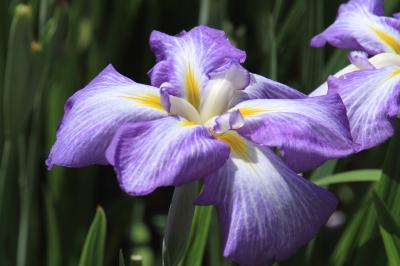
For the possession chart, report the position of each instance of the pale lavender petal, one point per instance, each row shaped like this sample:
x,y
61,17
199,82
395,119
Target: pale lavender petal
x,y
264,88
316,126
360,26
266,211
164,152
377,61
396,15
93,114
372,99
228,121
186,60
360,59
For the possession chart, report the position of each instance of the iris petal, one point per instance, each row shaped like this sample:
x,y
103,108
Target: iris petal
x,y
264,88
186,60
164,152
372,100
316,126
266,211
377,61
93,114
360,26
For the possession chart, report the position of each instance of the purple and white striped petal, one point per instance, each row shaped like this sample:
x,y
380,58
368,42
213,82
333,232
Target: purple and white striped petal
x,y
93,114
164,152
377,61
266,211
228,121
372,100
361,26
184,61
317,126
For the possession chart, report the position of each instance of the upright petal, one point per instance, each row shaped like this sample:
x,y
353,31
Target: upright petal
x,y
185,60
163,152
372,100
316,126
360,26
93,114
264,88
266,211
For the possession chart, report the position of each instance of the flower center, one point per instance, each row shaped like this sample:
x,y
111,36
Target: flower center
x,y
215,97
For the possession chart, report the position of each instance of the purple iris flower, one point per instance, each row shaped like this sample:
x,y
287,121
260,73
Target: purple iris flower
x,y
205,117
360,25
369,87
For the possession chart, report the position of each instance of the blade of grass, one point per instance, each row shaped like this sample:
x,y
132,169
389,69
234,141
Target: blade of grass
x,y
365,175
390,231
93,249
198,236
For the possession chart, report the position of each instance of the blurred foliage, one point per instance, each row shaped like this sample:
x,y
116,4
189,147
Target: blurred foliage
x,y
49,49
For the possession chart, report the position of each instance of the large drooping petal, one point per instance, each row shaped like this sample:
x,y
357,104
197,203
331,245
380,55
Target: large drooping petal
x,y
184,61
372,100
266,211
93,114
316,126
163,152
361,26
377,61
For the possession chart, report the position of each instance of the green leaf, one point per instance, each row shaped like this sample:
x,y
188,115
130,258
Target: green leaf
x,y
179,220
18,93
198,236
390,231
93,249
324,170
52,232
121,259
365,175
348,239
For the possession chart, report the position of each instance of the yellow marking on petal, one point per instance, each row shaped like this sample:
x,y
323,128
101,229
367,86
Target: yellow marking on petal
x,y
192,88
235,142
187,123
388,39
148,100
395,73
250,111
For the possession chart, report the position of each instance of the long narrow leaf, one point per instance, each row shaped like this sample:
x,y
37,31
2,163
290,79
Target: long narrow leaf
x,y
198,236
365,175
179,220
390,231
93,249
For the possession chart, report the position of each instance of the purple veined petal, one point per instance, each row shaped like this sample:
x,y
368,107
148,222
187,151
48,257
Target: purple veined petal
x,y
94,113
186,60
359,26
377,61
316,126
396,15
265,210
264,88
164,152
372,100
228,121
374,6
